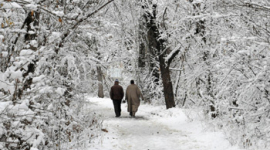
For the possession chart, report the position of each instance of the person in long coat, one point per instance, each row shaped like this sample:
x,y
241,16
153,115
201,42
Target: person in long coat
x,y
133,95
117,94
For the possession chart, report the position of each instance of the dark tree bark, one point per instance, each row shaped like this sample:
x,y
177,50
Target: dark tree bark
x,y
143,44
167,83
154,46
33,17
157,46
100,82
147,48
142,51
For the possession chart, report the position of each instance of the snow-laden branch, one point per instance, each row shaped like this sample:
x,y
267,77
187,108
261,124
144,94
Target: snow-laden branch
x,y
256,5
91,14
176,69
15,31
74,27
57,14
5,83
174,52
234,38
204,16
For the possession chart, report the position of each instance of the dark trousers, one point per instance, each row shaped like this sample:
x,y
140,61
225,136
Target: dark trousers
x,y
117,107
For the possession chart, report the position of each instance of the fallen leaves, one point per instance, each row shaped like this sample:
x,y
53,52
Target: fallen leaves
x,y
104,130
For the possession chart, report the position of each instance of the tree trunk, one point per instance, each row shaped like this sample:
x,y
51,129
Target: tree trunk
x,y
100,82
156,46
33,17
142,44
142,51
149,43
167,83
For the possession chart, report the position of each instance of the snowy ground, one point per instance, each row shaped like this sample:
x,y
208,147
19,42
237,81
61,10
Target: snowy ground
x,y
155,128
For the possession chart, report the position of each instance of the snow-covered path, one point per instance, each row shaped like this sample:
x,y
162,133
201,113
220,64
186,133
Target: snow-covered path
x,y
155,128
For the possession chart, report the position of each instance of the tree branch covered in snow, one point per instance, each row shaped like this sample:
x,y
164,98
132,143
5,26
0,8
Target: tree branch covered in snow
x,y
43,90
211,55
169,58
257,5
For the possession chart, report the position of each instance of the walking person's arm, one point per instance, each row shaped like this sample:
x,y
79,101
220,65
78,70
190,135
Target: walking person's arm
x,y
111,93
139,93
122,93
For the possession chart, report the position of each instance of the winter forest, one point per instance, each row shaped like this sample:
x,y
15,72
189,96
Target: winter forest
x,y
208,58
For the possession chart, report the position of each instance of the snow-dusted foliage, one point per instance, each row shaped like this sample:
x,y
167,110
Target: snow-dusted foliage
x,y
46,62
51,52
223,63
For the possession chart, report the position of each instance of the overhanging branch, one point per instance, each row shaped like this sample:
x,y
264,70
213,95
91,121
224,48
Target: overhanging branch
x,y
257,6
173,54
68,32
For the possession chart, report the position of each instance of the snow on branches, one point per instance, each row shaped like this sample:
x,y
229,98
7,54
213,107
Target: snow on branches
x,y
41,74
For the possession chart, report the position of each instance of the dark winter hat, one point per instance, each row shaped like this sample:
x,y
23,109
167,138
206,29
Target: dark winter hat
x,y
116,80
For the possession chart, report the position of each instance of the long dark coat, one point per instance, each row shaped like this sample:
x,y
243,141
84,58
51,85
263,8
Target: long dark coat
x,y
133,95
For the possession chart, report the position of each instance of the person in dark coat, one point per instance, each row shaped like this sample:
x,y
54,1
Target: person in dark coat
x,y
133,95
117,94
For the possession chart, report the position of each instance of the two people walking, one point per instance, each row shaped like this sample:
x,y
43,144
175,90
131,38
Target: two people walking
x,y
133,95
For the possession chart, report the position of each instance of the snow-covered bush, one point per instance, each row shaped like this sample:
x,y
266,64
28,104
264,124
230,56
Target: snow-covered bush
x,y
43,68
223,64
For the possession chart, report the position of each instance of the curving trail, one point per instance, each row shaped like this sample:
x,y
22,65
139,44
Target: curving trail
x,y
154,128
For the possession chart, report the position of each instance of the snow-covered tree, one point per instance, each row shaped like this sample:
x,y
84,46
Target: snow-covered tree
x,y
42,71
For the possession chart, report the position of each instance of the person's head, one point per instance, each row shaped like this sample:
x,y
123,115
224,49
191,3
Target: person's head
x,y
131,81
116,81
